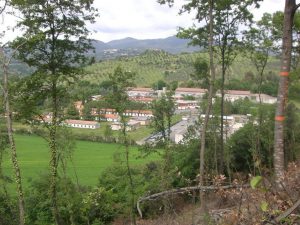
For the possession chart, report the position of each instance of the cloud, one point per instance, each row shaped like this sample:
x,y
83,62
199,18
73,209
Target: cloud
x,y
143,19
136,18
269,6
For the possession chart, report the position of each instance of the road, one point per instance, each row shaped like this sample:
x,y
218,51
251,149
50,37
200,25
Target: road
x,y
180,127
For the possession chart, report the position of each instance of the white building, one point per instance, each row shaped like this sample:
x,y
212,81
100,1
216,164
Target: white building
x,y
140,92
187,104
233,95
82,124
267,99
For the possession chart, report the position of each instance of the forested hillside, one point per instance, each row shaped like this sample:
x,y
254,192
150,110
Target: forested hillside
x,y
154,65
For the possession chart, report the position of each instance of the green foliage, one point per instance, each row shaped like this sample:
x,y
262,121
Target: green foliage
x,y
201,72
82,90
76,205
8,210
255,181
159,85
163,109
154,66
55,46
98,206
72,112
146,179
292,133
185,158
120,81
264,206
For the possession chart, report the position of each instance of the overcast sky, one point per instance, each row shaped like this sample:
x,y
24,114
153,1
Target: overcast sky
x,y
145,19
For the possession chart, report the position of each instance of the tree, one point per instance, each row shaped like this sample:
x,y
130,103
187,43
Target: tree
x,y
55,42
163,109
72,112
159,85
201,67
228,16
260,43
9,118
108,133
118,98
207,6
289,12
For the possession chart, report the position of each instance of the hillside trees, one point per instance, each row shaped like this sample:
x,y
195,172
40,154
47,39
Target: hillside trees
x,y
55,42
228,15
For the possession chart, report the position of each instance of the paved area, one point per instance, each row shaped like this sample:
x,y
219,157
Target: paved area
x,y
180,127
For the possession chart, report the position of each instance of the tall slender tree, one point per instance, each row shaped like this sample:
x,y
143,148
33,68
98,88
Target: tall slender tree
x,y
14,158
55,42
118,98
260,43
289,12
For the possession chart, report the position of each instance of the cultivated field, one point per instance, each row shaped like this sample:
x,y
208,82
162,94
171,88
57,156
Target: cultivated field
x,y
89,159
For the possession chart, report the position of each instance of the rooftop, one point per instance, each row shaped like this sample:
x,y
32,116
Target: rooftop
x,y
197,90
82,122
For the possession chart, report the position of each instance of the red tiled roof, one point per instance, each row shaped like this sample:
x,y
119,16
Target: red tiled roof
x,y
110,116
237,92
141,89
199,90
138,111
141,99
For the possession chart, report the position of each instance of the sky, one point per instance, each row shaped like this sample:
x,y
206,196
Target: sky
x,y
141,19
146,19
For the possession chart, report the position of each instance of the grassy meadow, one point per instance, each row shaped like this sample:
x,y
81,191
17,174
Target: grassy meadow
x,y
89,159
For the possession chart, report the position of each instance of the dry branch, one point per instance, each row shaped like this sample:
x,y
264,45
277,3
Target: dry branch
x,y
181,191
285,214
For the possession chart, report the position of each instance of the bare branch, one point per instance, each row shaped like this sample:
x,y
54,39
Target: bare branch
x,y
184,190
285,214
5,4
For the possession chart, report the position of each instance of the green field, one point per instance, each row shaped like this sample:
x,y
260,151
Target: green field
x,y
90,159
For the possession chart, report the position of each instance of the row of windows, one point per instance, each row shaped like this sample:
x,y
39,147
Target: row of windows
x,y
83,126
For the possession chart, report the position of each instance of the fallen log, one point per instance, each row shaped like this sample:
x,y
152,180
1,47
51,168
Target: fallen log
x,y
181,191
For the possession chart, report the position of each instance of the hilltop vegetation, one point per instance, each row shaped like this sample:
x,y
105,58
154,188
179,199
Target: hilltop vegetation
x,y
154,65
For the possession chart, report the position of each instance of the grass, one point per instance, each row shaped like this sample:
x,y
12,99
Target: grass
x,y
135,135
90,159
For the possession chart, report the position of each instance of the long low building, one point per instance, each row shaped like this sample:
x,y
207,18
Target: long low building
x,y
82,124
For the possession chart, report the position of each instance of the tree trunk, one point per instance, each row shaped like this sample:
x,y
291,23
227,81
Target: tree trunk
x,y
14,157
209,105
131,185
53,156
221,155
289,11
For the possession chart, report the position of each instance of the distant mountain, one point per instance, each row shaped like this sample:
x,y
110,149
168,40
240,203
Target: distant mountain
x,y
100,45
131,46
171,44
125,47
